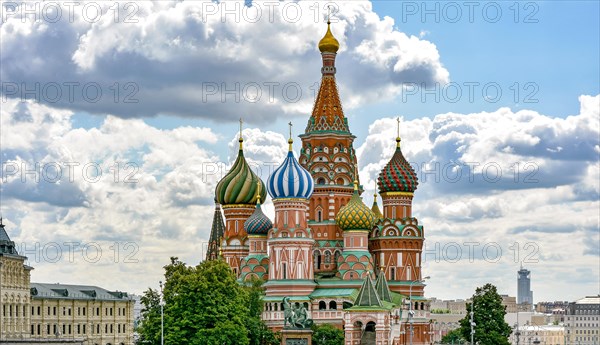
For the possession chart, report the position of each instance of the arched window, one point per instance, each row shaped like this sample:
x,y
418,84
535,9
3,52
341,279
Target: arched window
x,y
317,259
333,305
322,305
305,304
392,273
321,180
275,306
422,306
340,181
337,255
319,216
416,306
327,257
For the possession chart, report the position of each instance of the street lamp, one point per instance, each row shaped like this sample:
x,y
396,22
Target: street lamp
x,y
162,315
410,311
517,332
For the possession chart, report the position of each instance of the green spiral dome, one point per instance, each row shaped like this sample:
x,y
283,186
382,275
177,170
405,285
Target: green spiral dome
x,y
240,184
355,215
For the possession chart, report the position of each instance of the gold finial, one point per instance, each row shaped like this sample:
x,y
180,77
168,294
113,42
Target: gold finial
x,y
290,140
258,192
355,178
375,191
398,137
241,139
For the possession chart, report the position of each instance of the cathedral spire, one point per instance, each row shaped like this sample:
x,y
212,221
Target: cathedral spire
x,y
216,234
375,207
327,115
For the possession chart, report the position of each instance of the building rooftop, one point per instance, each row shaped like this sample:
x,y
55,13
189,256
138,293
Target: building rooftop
x,y
76,292
589,300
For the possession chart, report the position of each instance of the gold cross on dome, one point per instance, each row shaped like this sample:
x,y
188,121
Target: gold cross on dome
x,y
290,124
241,122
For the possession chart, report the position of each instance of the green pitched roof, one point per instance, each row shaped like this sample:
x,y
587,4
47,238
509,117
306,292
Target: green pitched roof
x,y
383,290
367,296
338,292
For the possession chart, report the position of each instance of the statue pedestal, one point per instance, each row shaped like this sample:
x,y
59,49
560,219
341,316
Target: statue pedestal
x,y
296,337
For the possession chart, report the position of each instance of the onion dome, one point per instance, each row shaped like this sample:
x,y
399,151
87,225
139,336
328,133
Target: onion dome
x,y
240,184
397,175
375,208
258,223
355,215
328,44
290,179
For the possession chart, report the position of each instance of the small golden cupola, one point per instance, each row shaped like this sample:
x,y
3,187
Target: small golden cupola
x,y
329,44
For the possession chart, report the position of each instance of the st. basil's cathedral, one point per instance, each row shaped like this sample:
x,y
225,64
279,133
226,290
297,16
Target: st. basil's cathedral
x,y
355,267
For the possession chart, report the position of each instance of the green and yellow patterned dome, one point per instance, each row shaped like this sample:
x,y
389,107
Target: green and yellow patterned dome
x,y
355,215
240,184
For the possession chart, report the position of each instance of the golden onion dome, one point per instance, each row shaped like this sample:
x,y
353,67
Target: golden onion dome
x,y
328,43
355,215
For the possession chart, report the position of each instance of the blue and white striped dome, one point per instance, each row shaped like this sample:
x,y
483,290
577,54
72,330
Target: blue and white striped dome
x,y
290,180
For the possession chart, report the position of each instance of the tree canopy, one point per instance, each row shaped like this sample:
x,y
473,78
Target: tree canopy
x,y
490,327
204,305
453,337
327,335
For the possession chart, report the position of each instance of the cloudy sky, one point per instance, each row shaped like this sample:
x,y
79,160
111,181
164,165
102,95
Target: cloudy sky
x,y
118,119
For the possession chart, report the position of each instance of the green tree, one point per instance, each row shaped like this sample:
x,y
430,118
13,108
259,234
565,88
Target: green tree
x,y
490,327
204,305
327,335
258,332
453,337
149,326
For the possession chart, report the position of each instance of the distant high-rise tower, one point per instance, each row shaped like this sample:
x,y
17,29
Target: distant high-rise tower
x,y
524,293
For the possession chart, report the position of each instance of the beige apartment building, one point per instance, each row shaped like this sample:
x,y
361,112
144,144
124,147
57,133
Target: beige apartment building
x,y
543,335
510,302
96,315
34,313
